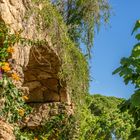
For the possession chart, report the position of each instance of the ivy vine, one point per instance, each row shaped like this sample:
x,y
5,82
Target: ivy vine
x,y
13,107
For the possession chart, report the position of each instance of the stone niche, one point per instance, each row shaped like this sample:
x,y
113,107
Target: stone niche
x,y
41,77
48,95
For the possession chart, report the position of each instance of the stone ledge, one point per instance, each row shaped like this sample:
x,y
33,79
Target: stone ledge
x,y
44,111
6,131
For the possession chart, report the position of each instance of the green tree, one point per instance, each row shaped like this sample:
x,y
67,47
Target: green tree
x,y
130,71
81,16
109,120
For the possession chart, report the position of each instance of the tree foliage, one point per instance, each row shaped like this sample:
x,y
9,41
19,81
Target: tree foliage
x,y
81,16
130,71
110,122
99,119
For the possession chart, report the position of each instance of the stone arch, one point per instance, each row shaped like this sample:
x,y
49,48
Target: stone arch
x,y
48,96
41,77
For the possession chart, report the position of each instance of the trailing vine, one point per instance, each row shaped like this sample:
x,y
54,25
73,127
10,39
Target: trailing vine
x,y
13,107
82,18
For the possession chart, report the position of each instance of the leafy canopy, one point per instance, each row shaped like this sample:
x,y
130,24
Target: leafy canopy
x,y
109,120
81,16
130,71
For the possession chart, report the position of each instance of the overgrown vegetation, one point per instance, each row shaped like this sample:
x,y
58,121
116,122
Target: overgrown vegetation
x,y
66,27
81,18
110,122
74,68
100,120
60,127
13,107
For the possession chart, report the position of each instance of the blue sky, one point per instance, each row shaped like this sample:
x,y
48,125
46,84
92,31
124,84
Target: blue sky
x,y
113,42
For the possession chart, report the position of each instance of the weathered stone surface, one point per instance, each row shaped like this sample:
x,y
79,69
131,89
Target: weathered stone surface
x,y
51,84
43,75
51,96
37,66
63,95
29,76
36,96
43,111
32,85
44,67
6,131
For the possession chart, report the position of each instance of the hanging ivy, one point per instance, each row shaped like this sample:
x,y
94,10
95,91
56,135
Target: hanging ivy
x,y
13,107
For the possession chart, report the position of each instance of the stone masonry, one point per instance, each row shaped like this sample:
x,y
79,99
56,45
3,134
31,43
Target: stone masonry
x,y
6,131
38,66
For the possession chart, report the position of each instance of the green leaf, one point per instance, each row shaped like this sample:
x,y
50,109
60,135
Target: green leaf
x,y
125,61
135,133
117,70
137,26
135,99
137,37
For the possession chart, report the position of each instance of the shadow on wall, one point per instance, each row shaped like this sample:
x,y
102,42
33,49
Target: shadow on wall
x,y
41,77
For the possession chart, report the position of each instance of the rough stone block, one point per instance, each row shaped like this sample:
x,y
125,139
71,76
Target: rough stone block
x,y
51,84
50,96
36,96
64,96
29,76
6,131
32,85
43,75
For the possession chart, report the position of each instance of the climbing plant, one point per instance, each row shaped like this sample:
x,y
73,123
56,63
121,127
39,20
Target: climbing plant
x,y
95,122
74,66
130,71
59,127
12,101
81,18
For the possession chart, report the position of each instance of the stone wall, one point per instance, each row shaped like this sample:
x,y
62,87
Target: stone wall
x,y
6,131
37,66
44,111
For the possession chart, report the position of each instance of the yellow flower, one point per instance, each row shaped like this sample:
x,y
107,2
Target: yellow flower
x,y
15,77
25,97
17,33
6,67
6,64
35,138
21,112
10,50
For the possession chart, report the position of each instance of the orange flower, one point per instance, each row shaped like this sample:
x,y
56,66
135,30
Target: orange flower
x,y
6,64
17,33
25,97
15,77
21,112
10,50
6,67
